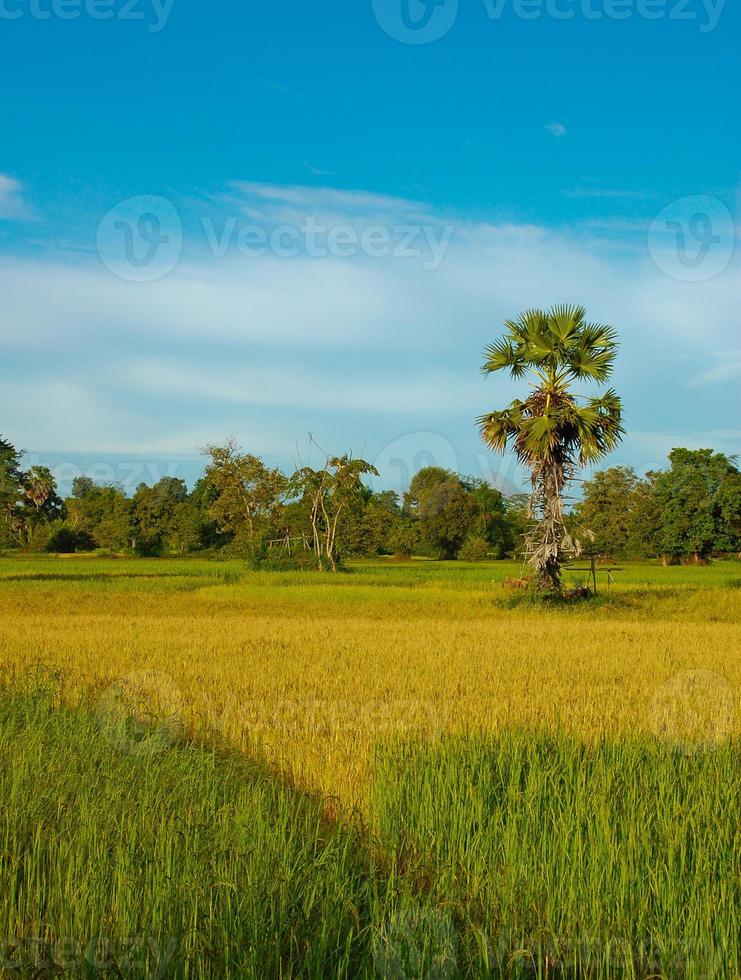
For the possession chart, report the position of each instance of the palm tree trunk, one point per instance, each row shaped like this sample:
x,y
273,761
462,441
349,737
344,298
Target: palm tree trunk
x,y
545,542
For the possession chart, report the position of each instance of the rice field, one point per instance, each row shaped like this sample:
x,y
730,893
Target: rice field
x,y
402,771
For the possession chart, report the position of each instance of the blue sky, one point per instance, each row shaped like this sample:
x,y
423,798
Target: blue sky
x,y
269,219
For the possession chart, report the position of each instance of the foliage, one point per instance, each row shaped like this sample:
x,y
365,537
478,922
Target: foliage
x,y
611,503
102,513
404,540
493,522
475,549
446,511
699,502
243,508
689,512
550,432
66,540
328,496
247,495
164,519
11,493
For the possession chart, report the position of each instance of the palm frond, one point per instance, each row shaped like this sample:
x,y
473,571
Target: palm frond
x,y
566,321
587,362
504,355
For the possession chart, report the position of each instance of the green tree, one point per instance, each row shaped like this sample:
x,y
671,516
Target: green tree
x,y
492,524
11,493
698,501
552,434
611,509
83,486
445,510
41,506
329,498
203,495
156,513
247,495
102,514
404,538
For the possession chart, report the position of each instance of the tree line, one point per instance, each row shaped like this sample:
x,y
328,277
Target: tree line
x,y
316,518
242,507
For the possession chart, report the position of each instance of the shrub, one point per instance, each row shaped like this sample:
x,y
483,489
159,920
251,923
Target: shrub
x,y
475,549
65,540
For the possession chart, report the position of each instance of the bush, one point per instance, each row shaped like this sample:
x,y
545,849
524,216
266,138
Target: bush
x,y
65,540
404,541
475,549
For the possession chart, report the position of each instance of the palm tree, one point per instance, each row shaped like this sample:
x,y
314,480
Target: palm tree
x,y
554,431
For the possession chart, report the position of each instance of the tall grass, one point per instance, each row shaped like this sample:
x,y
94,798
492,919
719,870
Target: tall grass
x,y
310,670
525,855
546,792
621,858
174,863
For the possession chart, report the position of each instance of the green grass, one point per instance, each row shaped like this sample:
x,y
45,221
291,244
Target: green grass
x,y
178,862
641,590
500,847
525,855
620,859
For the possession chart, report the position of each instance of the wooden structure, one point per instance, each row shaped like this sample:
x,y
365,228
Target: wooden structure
x,y
593,569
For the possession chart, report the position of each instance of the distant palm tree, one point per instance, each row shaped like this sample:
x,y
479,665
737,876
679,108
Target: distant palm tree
x,y
551,432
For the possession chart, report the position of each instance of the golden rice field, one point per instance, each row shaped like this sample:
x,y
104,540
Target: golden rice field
x,y
313,669
403,771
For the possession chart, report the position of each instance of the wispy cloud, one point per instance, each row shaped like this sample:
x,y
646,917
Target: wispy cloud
x,y
317,171
267,348
284,201
12,204
556,129
607,193
279,87
726,368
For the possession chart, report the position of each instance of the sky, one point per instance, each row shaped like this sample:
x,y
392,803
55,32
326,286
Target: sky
x,y
299,224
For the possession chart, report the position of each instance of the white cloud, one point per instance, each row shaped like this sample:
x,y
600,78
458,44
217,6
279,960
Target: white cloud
x,y
260,383
604,193
726,368
317,171
556,129
294,202
265,347
12,204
